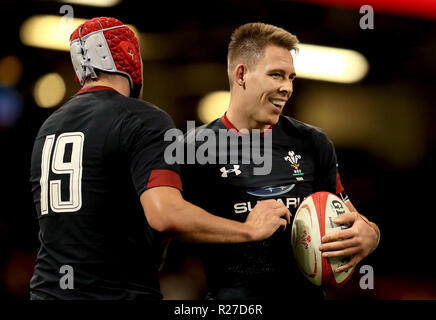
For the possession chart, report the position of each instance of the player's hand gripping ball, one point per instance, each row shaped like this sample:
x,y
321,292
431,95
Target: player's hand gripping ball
x,y
313,220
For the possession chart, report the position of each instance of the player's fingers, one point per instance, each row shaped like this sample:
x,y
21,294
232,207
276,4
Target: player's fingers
x,y
338,245
272,203
353,262
264,204
284,213
346,218
341,253
283,224
275,204
338,235
288,216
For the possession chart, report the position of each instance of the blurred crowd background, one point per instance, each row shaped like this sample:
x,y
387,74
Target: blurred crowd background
x,y
380,119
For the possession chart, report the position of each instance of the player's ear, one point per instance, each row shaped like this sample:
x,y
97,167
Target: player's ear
x,y
239,74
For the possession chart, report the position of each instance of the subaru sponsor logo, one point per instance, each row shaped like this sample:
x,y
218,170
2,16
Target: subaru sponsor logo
x,y
271,191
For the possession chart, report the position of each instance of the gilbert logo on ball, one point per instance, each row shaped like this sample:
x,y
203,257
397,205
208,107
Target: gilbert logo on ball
x,y
313,220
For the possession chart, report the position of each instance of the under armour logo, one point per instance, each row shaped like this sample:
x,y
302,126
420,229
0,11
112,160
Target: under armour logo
x,y
235,170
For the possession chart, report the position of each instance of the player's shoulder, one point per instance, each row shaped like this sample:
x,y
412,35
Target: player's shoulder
x,y
304,130
143,111
109,103
213,126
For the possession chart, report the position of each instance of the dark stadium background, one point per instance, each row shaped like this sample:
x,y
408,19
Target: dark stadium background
x,y
382,126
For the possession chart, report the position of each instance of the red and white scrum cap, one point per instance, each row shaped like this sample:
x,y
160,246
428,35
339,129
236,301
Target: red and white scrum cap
x,y
108,45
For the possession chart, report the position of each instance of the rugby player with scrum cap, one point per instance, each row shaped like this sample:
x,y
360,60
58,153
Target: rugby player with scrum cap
x,y
102,189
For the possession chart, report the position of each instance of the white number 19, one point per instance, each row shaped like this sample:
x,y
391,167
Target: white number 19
x,y
73,168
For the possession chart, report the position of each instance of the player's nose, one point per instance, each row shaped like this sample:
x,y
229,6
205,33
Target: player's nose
x,y
286,89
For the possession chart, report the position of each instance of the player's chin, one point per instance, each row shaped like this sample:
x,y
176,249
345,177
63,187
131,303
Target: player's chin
x,y
272,119
268,117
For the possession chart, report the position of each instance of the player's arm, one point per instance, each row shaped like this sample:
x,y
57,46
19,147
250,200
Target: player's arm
x,y
167,211
359,240
158,184
362,236
351,207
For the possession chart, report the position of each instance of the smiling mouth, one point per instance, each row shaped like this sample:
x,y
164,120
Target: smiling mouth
x,y
279,104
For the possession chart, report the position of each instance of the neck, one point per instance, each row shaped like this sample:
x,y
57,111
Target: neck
x,y
238,116
117,82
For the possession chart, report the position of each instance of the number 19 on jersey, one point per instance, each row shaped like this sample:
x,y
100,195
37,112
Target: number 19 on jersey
x,y
66,142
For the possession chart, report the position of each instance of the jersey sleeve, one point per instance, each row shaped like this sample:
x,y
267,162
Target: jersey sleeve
x,y
189,187
142,137
192,191
328,178
196,191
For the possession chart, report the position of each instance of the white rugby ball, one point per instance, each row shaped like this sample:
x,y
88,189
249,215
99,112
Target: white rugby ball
x,y
314,219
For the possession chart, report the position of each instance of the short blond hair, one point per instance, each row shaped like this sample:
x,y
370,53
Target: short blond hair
x,y
248,42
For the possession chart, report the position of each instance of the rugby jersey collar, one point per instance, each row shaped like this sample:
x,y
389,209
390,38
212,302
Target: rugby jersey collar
x,y
95,88
230,125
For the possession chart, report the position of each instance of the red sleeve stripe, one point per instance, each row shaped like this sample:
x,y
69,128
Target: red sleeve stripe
x,y
164,178
339,187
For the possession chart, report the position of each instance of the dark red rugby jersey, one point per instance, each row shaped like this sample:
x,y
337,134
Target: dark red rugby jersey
x,y
91,161
303,162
